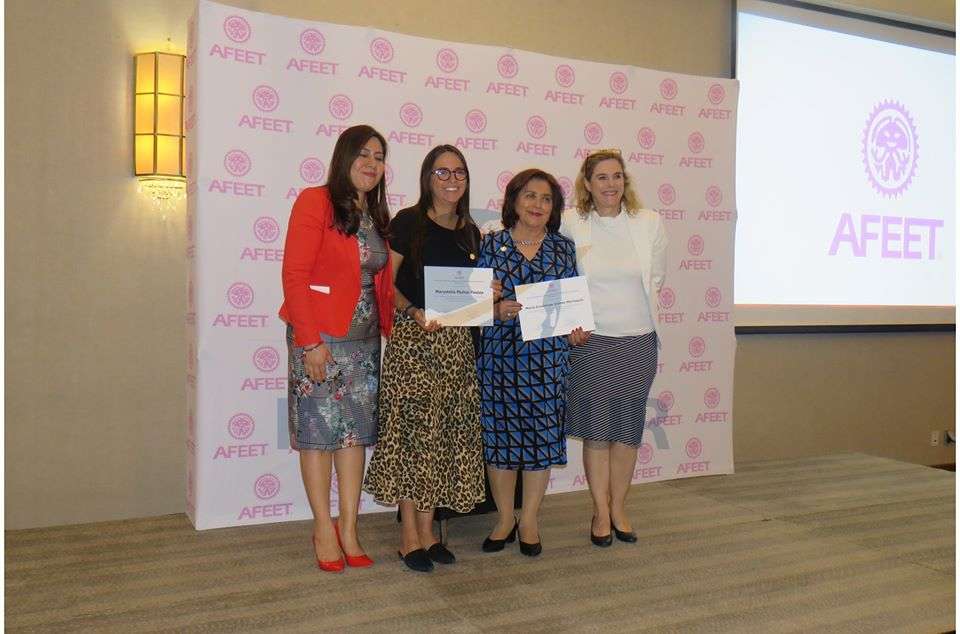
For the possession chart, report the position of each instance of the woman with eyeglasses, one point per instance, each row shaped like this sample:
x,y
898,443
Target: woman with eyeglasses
x,y
429,454
338,300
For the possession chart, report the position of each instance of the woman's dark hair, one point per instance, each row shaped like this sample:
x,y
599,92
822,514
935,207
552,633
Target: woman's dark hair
x,y
346,216
465,232
509,214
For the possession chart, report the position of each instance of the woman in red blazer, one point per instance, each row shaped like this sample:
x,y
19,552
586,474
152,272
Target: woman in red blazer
x,y
338,300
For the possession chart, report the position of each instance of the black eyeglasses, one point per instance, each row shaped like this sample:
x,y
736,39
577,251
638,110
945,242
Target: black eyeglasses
x,y
444,174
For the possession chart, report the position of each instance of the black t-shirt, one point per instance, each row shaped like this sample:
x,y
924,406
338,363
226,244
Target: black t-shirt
x,y
439,248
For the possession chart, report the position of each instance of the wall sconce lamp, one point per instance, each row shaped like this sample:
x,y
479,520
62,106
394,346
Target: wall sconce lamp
x,y
159,145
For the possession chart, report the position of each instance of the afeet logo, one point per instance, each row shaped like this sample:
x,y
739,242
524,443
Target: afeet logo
x,y
711,398
447,60
668,89
890,148
593,133
266,359
668,298
237,29
312,41
695,245
695,142
411,114
237,162
476,121
565,75
340,106
713,196
665,400
647,138
693,448
312,170
644,453
266,229
713,297
507,66
240,295
503,178
667,194
618,82
240,426
716,94
267,486
697,347
536,127
381,49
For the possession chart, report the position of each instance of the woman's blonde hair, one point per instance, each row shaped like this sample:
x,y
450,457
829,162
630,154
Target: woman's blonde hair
x,y
584,201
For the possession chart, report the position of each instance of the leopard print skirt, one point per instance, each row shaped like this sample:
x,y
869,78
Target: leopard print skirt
x,y
429,446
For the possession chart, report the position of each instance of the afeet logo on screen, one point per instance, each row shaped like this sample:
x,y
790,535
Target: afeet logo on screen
x,y
890,148
447,60
567,186
507,66
695,142
716,94
713,297
503,178
265,98
537,127
644,453
240,426
266,358
695,245
667,194
618,82
593,133
237,162
240,295
711,398
267,486
647,138
565,75
665,400
312,169
697,347
340,107
312,41
381,49
476,121
668,89
694,448
237,29
667,298
411,114
713,196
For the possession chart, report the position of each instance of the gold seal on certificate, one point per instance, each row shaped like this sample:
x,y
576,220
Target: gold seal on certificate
x,y
554,308
458,296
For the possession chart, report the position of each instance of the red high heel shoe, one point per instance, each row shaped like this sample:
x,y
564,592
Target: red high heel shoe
x,y
327,566
354,561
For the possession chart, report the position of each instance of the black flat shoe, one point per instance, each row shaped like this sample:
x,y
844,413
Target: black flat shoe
x,y
494,545
625,536
440,554
530,550
417,560
600,540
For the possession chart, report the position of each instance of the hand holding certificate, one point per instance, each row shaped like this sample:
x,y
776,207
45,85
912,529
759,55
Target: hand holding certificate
x,y
554,308
456,296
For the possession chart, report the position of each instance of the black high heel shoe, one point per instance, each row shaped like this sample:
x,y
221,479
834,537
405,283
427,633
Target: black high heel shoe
x,y
625,536
494,545
600,540
530,550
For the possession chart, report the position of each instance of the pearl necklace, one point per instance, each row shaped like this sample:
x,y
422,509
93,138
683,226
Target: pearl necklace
x,y
527,243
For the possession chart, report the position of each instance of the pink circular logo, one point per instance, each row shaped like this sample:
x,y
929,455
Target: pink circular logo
x,y
593,132
695,142
266,486
266,359
890,148
668,89
312,169
503,178
476,121
665,400
668,298
646,137
565,75
566,185
644,453
697,347
716,93
381,49
695,245
694,448
447,60
312,41
711,398
388,174
713,297
340,106
411,114
667,194
237,162
266,229
618,82
237,28
536,126
265,98
507,66
240,295
713,196
240,426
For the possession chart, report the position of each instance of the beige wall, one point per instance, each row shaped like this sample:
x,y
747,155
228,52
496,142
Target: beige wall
x,y
95,349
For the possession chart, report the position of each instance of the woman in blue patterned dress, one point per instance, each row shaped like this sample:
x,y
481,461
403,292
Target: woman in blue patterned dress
x,y
522,383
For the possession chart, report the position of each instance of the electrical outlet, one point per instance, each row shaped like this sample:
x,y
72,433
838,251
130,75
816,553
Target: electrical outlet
x,y
935,439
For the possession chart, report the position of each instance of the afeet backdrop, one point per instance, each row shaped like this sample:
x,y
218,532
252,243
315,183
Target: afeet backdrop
x,y
267,97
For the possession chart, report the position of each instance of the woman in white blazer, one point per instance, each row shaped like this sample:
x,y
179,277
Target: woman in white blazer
x,y
621,248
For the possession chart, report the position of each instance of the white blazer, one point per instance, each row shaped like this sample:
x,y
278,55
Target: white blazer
x,y
649,243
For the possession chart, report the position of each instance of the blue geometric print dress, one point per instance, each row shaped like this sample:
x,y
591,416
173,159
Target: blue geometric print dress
x,y
522,399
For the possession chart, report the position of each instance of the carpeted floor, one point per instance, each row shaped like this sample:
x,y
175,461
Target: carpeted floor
x,y
846,543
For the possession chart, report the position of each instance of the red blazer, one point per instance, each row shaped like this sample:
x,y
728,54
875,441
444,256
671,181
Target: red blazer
x,y
317,255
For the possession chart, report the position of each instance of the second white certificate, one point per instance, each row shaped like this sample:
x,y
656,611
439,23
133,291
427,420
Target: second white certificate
x,y
458,296
554,308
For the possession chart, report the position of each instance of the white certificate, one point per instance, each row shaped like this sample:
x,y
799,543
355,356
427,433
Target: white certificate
x,y
458,296
554,308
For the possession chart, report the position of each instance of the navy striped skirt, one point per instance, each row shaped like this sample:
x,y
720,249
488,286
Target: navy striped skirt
x,y
608,387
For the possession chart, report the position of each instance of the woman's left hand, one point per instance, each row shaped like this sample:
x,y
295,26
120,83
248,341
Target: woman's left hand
x,y
578,337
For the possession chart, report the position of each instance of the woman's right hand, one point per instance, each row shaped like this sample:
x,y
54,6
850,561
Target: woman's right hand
x,y
315,363
421,318
508,309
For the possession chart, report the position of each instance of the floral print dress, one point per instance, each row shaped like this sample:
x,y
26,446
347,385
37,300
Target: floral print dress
x,y
342,410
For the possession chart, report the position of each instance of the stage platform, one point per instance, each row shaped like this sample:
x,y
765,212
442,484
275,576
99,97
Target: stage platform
x,y
846,543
